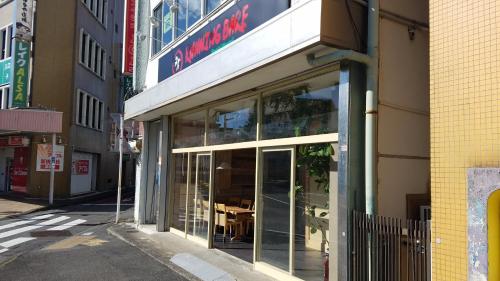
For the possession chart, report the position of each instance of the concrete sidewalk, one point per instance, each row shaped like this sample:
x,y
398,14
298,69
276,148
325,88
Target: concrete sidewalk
x,y
186,257
10,207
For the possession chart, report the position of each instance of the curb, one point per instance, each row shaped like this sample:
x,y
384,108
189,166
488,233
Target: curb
x,y
170,265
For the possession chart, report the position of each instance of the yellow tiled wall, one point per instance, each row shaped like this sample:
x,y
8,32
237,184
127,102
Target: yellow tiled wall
x,y
465,118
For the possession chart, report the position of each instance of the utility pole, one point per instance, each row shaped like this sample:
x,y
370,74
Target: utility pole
x,y
52,169
120,163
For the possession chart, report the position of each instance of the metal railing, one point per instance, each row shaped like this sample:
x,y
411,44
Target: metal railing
x,y
383,249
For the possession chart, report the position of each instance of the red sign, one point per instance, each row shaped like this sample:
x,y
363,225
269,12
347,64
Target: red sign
x,y
128,61
12,141
16,140
80,167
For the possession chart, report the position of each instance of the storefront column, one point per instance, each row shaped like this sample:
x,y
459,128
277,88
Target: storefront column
x,y
164,147
141,188
348,195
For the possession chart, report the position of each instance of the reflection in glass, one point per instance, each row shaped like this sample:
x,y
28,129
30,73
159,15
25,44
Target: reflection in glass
x,y
310,109
198,196
189,12
189,130
179,191
233,122
275,232
311,209
212,4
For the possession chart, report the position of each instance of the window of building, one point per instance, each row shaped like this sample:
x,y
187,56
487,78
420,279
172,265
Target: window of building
x,y
212,4
156,40
5,42
98,8
92,55
4,97
166,23
89,110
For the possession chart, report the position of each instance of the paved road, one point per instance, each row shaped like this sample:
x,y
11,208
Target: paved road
x,y
72,244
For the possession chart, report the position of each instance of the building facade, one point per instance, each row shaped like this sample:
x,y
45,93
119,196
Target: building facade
x,y
465,141
75,69
255,115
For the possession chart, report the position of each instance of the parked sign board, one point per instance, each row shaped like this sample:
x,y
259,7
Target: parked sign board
x,y
239,19
43,158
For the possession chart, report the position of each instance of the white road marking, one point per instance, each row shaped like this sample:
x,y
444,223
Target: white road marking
x,y
42,217
17,223
87,233
67,225
53,221
3,250
16,241
19,230
23,222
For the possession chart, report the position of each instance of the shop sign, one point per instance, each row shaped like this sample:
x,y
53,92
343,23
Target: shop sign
x,y
241,18
43,158
24,17
20,73
80,167
14,141
5,71
128,86
128,52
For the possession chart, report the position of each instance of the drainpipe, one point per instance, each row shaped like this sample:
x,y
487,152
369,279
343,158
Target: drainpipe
x,y
371,61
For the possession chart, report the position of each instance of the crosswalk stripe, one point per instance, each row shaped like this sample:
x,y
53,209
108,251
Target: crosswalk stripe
x,y
17,223
16,241
67,225
23,222
19,230
3,250
53,221
42,217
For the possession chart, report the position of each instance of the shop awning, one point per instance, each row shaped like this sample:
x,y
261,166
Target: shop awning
x,y
30,121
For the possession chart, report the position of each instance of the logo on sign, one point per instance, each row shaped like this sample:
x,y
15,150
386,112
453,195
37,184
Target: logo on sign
x,y
178,61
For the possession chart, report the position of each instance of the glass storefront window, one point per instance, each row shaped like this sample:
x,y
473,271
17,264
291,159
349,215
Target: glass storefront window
x,y
310,109
233,122
179,191
189,130
312,186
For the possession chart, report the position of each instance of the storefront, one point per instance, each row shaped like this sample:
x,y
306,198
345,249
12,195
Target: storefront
x,y
14,163
260,156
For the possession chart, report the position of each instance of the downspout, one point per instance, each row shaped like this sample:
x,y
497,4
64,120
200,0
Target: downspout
x,y
370,59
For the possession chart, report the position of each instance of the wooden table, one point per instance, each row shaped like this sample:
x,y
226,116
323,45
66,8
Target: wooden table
x,y
240,213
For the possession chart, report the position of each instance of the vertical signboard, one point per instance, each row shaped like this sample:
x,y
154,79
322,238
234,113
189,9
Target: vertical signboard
x,y
128,52
22,52
24,17
20,73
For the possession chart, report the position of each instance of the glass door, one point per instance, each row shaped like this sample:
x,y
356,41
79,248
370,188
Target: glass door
x,y
274,246
199,196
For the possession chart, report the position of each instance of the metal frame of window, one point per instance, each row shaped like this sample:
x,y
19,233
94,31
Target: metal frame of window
x,y
95,107
99,10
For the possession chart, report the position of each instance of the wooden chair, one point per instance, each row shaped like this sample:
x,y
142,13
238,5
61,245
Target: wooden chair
x,y
246,204
233,201
250,221
224,219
